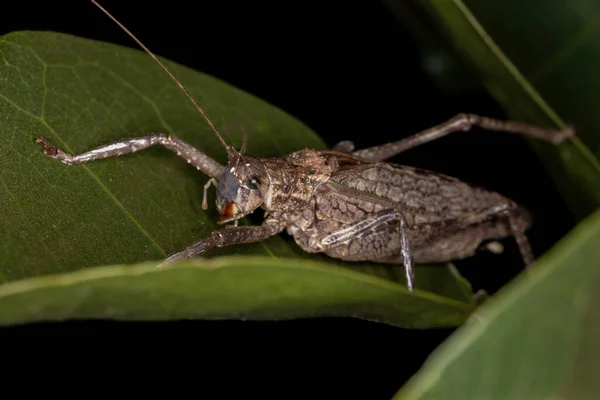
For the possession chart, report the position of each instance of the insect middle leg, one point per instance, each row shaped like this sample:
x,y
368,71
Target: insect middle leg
x,y
193,156
366,227
461,122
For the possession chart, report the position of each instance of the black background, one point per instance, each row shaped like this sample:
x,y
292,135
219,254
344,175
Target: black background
x,y
349,71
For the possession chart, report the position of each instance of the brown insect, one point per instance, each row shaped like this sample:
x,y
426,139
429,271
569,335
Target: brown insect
x,y
349,204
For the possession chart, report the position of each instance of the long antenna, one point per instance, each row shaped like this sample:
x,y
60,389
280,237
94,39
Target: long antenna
x,y
228,147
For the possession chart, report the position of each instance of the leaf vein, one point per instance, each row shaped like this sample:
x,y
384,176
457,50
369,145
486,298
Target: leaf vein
x,y
98,181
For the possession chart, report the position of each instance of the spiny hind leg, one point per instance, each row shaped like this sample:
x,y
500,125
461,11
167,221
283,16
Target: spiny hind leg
x,y
127,146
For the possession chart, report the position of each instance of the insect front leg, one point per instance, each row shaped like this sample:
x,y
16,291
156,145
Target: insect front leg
x,y
193,156
461,123
229,236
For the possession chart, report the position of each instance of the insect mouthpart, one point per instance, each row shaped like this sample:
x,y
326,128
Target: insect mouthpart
x,y
230,213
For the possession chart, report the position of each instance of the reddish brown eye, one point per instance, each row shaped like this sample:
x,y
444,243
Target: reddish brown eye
x,y
228,210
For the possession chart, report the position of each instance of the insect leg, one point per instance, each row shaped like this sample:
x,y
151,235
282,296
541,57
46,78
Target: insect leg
x,y
463,122
516,224
368,225
353,231
193,156
407,257
521,239
229,236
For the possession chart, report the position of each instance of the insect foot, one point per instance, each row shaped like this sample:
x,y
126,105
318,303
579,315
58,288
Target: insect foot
x,y
194,250
193,156
52,151
227,237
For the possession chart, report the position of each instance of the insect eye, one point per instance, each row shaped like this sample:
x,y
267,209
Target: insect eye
x,y
228,186
254,182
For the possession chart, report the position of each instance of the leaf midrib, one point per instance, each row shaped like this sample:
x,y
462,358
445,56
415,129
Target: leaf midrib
x,y
98,181
90,173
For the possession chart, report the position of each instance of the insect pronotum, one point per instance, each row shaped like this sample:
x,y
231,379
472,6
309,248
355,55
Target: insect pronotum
x,y
349,204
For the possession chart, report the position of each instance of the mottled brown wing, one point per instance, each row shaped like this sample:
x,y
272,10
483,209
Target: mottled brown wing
x,y
431,195
437,232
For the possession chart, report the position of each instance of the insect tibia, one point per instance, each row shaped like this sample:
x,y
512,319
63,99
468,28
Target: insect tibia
x,y
548,135
460,123
201,161
229,236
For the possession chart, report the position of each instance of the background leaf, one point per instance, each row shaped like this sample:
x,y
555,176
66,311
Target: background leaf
x,y
79,94
538,338
496,41
557,52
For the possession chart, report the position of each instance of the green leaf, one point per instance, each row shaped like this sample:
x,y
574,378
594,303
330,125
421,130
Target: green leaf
x,y
537,59
254,288
557,52
80,94
538,338
58,219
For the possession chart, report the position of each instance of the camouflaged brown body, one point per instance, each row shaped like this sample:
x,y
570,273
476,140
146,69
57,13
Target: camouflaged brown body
x,y
317,193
